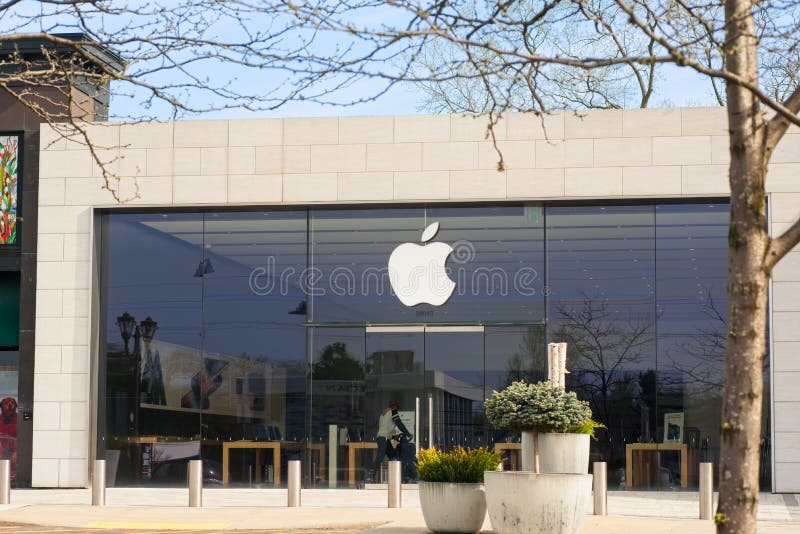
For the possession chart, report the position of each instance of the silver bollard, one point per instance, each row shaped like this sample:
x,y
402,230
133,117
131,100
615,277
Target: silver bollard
x,y
706,490
5,481
395,486
294,484
195,483
99,483
600,488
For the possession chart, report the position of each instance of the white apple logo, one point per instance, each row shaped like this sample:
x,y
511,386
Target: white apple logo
x,y
417,272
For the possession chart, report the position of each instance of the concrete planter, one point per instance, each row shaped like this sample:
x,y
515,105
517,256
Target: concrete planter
x,y
452,507
521,502
564,453
558,453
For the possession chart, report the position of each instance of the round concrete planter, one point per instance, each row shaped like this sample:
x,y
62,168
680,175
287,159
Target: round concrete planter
x,y
564,453
452,507
558,453
521,502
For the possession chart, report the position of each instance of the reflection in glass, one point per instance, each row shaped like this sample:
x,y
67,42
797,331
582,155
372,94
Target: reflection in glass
x,y
601,266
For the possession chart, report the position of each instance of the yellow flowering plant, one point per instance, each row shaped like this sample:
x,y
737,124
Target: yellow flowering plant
x,y
458,465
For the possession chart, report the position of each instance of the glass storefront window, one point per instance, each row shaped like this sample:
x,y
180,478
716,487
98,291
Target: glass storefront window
x,y
248,338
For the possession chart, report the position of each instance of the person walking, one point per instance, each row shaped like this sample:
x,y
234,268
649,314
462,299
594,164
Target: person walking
x,y
390,430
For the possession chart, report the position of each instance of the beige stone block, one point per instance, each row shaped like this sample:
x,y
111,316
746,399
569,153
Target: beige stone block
x,y
255,132
200,189
62,331
61,444
535,183
48,415
449,156
51,192
74,416
75,303
90,191
786,297
296,159
704,121
476,128
48,359
623,151
146,135
593,124
421,128
132,162
214,161
784,355
97,135
781,178
154,190
59,164
705,180
601,182
720,152
527,126
250,188
44,472
199,134
682,150
516,155
785,207
651,122
107,161
269,159
570,153
50,138
50,247
787,447
318,187
63,219
48,302
785,387
477,184
338,158
75,359
355,130
394,157
788,268
366,186
73,473
242,160
186,161
76,247
788,150
159,161
651,181
784,326
429,185
315,131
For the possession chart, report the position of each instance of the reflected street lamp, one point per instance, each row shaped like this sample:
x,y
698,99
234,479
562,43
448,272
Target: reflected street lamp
x,y
146,330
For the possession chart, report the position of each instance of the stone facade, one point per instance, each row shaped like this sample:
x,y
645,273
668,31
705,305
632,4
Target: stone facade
x,y
658,153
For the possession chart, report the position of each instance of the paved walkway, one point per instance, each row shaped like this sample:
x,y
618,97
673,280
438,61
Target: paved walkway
x,y
335,511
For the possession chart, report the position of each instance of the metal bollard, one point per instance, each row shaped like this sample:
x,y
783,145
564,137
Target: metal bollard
x,y
294,484
195,483
706,490
99,483
5,481
600,488
395,486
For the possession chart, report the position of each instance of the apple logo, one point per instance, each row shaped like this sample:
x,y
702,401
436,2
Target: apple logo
x,y
417,272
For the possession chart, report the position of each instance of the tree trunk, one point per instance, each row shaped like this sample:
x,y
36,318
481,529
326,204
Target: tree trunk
x,y
747,283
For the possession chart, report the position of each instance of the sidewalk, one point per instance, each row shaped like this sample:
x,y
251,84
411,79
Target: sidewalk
x,y
340,511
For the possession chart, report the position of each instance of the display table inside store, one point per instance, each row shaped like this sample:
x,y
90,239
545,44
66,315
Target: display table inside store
x,y
643,467
352,447
259,447
499,447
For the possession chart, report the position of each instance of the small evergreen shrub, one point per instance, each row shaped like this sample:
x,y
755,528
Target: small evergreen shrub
x,y
588,427
538,407
458,465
